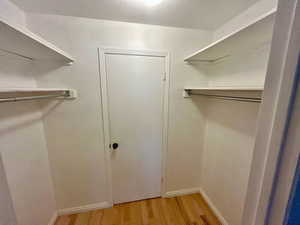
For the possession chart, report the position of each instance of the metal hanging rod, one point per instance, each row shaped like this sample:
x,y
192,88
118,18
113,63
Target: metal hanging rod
x,y
231,98
66,94
207,60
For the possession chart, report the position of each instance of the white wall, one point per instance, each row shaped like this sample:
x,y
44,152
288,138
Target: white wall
x,y
23,145
245,18
246,69
23,149
233,71
7,212
74,129
230,126
228,148
11,12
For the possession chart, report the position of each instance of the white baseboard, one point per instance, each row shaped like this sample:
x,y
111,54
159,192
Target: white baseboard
x,y
84,208
213,208
53,219
171,194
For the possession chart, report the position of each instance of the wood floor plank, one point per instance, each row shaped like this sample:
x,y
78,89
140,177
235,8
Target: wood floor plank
x,y
172,212
83,218
111,216
194,212
131,213
63,220
182,210
208,213
158,208
96,217
73,219
150,213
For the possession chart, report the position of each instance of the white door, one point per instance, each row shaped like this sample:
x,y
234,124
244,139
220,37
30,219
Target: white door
x,y
135,93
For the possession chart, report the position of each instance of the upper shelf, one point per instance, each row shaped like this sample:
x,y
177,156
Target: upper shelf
x,y
26,90
255,34
20,41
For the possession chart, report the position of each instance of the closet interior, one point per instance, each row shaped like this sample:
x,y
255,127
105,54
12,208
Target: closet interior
x,y
64,119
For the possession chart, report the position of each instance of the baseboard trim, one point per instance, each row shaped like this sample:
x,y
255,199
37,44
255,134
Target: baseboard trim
x,y
171,194
216,211
53,219
84,208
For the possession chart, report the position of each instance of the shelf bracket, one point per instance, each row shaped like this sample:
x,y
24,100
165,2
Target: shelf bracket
x,y
71,94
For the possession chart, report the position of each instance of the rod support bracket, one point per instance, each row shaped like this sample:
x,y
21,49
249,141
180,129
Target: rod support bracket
x,y
71,94
186,93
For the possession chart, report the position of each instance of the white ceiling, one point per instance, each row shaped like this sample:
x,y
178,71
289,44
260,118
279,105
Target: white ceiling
x,y
203,14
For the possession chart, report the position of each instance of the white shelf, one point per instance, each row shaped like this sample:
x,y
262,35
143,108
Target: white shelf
x,y
20,41
26,90
244,92
256,34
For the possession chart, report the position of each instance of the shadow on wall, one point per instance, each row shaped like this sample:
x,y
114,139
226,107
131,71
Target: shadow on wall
x,y
16,72
43,69
238,116
19,115
232,70
7,214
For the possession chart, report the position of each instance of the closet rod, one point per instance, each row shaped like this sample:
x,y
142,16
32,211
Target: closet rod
x,y
66,94
232,98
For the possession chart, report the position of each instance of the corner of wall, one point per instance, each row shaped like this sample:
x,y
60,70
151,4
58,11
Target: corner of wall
x,y
53,219
246,17
12,12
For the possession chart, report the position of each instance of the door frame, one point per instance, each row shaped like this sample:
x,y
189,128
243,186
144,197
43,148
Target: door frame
x,y
102,51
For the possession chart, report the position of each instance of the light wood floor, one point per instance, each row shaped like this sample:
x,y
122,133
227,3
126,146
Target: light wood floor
x,y
183,210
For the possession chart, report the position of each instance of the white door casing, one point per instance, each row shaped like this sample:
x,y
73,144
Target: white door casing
x,y
134,88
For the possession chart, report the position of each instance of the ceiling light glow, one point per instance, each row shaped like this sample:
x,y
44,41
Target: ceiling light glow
x,y
152,2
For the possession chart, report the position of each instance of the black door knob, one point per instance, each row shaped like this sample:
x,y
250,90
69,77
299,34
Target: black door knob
x,y
115,145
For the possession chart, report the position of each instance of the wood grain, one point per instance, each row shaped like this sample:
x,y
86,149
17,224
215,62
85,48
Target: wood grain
x,y
182,210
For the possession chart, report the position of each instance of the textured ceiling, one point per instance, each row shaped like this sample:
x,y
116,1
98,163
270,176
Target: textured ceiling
x,y
203,14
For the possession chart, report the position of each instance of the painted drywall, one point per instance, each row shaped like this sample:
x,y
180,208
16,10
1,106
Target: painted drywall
x,y
233,71
25,160
7,212
74,129
227,162
272,122
230,136
11,12
228,148
23,148
245,18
